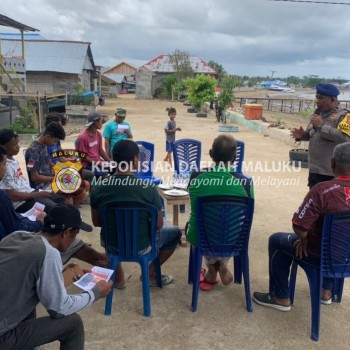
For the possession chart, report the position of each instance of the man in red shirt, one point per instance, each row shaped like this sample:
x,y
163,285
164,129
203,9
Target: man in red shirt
x,y
305,243
90,142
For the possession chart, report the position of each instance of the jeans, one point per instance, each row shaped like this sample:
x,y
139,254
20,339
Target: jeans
x,y
167,237
281,256
32,332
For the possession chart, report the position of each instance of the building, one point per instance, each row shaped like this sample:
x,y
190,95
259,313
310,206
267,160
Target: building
x,y
52,66
150,76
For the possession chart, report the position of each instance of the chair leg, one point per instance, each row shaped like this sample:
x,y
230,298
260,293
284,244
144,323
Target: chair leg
x,y
292,281
197,264
338,286
245,270
146,295
158,272
237,269
113,263
190,266
315,283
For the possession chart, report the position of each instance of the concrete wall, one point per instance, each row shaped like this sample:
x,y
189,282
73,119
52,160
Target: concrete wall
x,y
144,84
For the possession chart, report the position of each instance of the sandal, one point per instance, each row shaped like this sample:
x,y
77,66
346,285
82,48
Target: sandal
x,y
207,286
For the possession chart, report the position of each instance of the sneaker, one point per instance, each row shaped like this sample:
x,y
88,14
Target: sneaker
x,y
166,279
326,301
265,299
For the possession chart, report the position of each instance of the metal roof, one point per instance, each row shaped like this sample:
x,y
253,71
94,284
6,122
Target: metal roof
x,y
118,78
161,64
18,36
52,56
9,22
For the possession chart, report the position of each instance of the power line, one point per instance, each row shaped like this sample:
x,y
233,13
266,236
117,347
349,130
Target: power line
x,y
315,2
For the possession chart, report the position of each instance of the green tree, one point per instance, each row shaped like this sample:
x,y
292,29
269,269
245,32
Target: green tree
x,y
180,60
226,95
200,90
220,70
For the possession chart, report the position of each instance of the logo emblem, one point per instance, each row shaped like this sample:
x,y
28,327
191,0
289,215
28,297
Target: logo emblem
x,y
67,177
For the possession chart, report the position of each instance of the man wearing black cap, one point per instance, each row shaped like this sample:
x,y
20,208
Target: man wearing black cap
x,y
32,268
90,142
329,126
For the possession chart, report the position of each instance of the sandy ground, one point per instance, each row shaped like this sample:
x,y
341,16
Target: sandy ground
x,y
221,321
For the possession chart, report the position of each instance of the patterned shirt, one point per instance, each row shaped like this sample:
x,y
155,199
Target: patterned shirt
x,y
37,159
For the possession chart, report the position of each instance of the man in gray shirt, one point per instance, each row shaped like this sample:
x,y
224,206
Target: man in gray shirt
x,y
31,272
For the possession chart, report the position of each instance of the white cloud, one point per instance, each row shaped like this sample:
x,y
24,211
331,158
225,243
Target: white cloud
x,y
248,37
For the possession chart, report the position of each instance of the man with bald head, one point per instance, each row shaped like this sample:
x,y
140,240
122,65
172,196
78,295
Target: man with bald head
x,y
328,127
305,243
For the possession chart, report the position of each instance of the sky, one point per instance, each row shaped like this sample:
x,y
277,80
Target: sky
x,y
247,37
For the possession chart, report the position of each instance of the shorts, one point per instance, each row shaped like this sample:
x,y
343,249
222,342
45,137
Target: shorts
x,y
169,146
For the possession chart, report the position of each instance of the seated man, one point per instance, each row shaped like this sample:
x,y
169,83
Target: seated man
x,y
23,196
124,186
222,180
39,166
90,142
304,244
32,265
12,221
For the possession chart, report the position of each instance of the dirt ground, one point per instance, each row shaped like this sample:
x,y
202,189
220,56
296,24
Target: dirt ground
x,y
221,321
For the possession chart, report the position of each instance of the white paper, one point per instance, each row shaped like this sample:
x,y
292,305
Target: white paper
x,y
88,281
32,213
122,127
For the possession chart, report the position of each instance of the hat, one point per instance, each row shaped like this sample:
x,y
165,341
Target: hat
x,y
125,151
92,118
6,135
63,216
327,90
121,112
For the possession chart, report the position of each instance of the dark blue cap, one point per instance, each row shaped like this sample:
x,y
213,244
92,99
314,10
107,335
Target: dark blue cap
x,y
327,90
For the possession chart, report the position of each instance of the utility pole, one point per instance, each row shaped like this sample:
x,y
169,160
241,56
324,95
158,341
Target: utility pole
x,y
272,73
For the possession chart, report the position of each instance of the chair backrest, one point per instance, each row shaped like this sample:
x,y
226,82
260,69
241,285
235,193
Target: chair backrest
x,y
187,155
335,247
238,164
146,159
121,222
223,224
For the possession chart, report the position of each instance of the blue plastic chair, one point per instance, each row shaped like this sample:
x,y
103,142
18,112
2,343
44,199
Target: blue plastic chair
x,y
146,162
187,155
120,222
335,263
238,164
223,229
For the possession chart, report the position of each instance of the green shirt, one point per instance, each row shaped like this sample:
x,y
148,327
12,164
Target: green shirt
x,y
215,181
126,188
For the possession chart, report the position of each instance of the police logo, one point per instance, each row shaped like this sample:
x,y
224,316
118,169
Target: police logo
x,y
67,177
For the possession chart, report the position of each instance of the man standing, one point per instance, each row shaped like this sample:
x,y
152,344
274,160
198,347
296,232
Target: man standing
x,y
329,126
32,266
216,180
305,243
116,130
124,186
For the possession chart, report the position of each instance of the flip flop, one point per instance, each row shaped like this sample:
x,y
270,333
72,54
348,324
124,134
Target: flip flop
x,y
207,286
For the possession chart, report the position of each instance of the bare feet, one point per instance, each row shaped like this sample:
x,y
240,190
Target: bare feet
x,y
225,274
119,277
326,294
211,274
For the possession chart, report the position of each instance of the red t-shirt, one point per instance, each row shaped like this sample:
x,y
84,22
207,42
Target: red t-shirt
x,y
91,145
324,198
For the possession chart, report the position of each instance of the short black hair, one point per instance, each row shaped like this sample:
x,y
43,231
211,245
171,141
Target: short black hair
x,y
56,130
224,149
2,153
171,110
125,151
